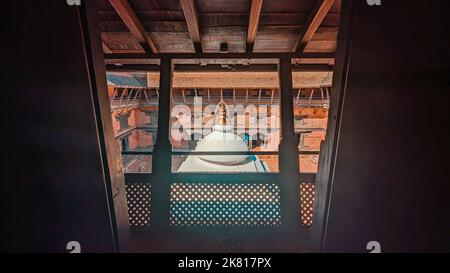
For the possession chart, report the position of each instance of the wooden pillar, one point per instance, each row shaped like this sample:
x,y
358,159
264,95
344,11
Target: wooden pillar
x,y
289,172
329,147
112,158
162,154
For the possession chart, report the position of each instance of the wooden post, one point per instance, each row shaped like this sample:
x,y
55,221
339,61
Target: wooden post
x,y
328,148
121,96
289,171
162,159
298,96
271,97
259,97
137,94
246,97
112,159
311,96
129,97
184,96
146,96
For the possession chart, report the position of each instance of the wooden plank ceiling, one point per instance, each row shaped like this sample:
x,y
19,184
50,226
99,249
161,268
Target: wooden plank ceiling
x,y
188,26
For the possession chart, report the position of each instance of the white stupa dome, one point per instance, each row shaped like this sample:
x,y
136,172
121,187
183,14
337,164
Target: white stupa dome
x,y
222,140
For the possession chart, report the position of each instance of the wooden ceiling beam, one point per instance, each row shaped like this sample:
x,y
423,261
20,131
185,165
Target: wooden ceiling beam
x,y
219,68
220,80
313,22
253,22
190,13
262,55
129,17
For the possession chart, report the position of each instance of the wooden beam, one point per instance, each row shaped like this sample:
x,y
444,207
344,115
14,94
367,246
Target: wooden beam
x,y
132,67
253,22
129,17
262,55
190,13
241,80
219,68
312,23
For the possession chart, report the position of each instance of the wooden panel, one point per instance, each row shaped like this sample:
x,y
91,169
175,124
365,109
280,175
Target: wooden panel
x,y
277,19
240,6
161,15
144,15
321,46
155,4
121,41
313,22
113,26
53,189
165,26
303,6
129,17
103,5
326,34
276,38
174,42
336,7
106,49
391,180
324,40
234,36
223,19
331,20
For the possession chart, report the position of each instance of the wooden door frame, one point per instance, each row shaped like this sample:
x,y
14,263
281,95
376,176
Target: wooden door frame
x,y
162,154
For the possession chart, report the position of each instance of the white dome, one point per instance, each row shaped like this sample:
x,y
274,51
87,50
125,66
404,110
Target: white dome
x,y
222,140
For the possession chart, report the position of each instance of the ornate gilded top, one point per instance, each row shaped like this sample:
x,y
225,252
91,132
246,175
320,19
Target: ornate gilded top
x,y
222,114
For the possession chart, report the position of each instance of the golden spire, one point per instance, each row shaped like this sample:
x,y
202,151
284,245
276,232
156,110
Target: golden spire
x,y
222,113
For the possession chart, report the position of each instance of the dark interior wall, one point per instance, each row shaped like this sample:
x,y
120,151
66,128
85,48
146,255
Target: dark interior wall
x,y
391,181
52,183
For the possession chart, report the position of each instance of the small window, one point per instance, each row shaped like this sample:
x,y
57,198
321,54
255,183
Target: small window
x,y
123,121
234,127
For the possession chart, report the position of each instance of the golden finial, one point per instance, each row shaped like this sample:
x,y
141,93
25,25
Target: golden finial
x,y
222,113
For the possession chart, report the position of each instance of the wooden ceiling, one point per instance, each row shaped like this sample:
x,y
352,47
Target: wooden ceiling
x,y
188,26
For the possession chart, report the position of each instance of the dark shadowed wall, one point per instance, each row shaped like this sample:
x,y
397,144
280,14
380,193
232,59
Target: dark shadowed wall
x,y
52,183
391,181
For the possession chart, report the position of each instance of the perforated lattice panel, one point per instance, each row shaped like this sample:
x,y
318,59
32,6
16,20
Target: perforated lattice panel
x,y
307,202
224,205
138,199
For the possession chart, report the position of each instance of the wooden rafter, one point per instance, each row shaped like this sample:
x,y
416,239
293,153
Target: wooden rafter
x,y
129,17
253,22
312,23
190,13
